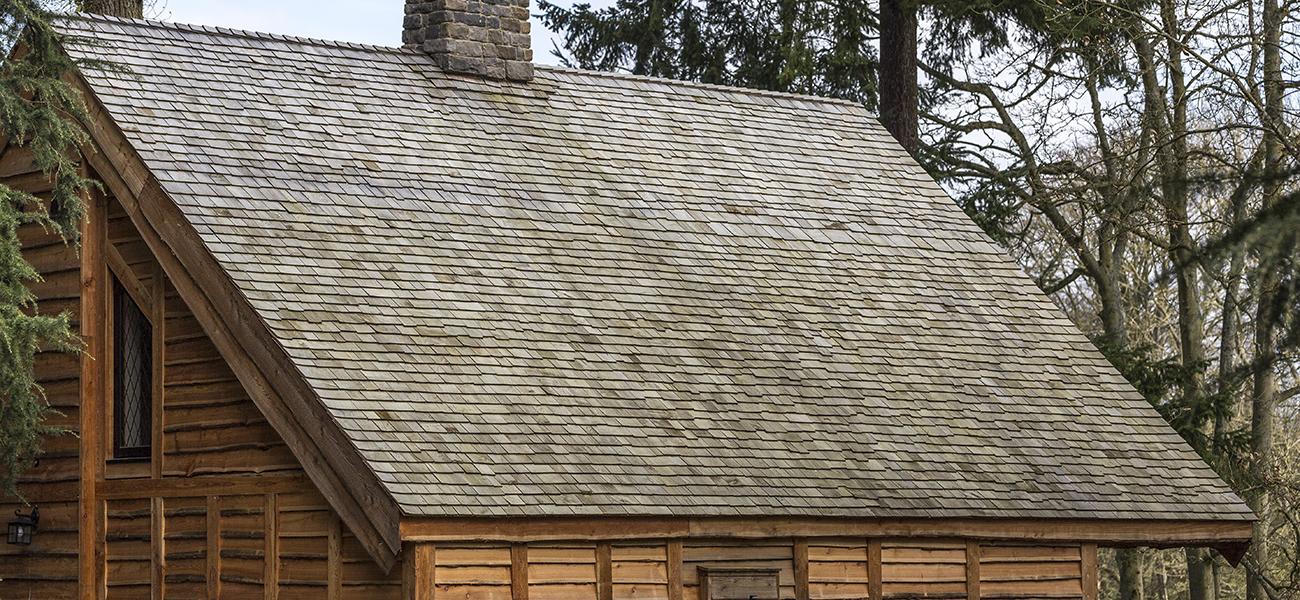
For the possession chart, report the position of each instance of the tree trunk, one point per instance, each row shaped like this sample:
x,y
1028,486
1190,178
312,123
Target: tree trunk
x,y
898,91
1265,385
1200,580
1191,322
128,9
1130,574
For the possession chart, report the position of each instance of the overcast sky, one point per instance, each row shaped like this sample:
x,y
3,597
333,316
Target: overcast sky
x,y
365,21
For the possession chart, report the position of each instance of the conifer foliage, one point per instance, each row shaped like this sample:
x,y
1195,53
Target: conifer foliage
x,y
822,48
40,110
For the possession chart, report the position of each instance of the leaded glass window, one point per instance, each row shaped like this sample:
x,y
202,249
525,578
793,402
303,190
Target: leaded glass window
x,y
132,377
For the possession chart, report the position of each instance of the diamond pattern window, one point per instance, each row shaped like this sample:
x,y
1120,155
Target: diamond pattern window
x,y
132,377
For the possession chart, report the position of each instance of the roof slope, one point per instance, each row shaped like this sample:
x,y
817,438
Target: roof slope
x,y
607,295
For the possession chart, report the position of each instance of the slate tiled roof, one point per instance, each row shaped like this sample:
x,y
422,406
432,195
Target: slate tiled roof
x,y
608,295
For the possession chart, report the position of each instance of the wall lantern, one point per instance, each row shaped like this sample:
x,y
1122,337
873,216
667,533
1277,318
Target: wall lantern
x,y
22,528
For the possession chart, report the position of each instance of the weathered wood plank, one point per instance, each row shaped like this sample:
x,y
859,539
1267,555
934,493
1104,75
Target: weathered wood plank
x,y
519,571
334,552
213,554
674,565
270,516
138,291
875,582
972,570
604,572
93,554
159,357
801,569
178,487
1088,567
1154,533
158,539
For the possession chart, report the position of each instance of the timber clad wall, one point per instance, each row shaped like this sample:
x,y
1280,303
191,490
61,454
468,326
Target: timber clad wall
x,y
48,568
192,521
809,569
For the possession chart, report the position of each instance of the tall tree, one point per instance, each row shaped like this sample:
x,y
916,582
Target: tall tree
x,y
42,112
127,9
820,47
898,83
1265,385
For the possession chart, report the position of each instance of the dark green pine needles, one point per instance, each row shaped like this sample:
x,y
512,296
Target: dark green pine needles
x,y
42,111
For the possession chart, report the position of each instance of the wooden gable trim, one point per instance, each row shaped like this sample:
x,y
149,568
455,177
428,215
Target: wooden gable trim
x,y
1228,537
244,341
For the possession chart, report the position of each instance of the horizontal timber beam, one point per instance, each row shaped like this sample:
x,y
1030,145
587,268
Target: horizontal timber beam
x,y
177,487
1154,533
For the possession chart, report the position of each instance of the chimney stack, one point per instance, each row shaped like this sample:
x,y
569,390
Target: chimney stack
x,y
488,38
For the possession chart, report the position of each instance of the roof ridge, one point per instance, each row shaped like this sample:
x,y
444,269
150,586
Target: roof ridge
x,y
262,35
241,33
701,85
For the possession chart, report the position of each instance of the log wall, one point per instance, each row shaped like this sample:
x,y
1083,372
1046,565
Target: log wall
x,y
808,569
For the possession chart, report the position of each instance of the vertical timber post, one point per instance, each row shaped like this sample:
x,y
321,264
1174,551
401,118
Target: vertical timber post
x,y
334,569
674,559
972,570
801,569
419,566
875,586
91,510
1091,583
519,571
159,319
604,571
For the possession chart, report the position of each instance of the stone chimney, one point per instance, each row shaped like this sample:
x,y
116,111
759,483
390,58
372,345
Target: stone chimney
x,y
488,38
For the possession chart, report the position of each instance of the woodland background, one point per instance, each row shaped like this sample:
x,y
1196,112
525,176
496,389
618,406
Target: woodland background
x,y
1139,159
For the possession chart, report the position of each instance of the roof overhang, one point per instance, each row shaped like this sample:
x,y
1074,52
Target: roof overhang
x,y
1230,538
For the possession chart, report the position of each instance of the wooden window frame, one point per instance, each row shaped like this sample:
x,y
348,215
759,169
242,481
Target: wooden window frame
x,y
149,300
143,452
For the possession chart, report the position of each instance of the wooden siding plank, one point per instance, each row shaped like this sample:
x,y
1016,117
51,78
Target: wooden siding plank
x,y
203,486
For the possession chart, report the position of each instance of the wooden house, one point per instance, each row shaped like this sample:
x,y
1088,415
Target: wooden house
x,y
431,322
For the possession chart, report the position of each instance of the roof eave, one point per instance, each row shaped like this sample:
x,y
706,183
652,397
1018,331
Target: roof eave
x,y
1229,536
